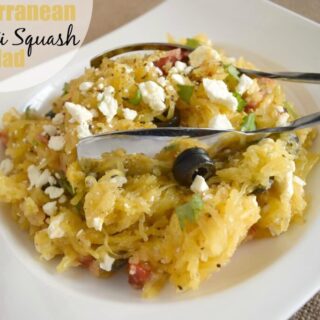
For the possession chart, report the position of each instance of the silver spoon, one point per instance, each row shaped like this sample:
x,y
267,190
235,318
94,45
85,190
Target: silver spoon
x,y
290,76
151,141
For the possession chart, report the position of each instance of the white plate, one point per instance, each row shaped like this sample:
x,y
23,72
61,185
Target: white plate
x,y
267,279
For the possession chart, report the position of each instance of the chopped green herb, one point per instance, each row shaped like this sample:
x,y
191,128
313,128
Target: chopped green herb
x,y
232,71
189,211
241,102
185,92
249,122
136,99
289,107
193,43
65,88
65,184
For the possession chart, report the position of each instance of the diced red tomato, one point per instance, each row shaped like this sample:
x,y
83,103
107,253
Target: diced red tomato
x,y
43,138
4,138
86,261
139,274
172,57
250,107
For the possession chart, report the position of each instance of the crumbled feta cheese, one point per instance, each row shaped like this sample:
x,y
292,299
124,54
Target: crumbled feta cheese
x,y
220,122
199,185
218,92
129,114
54,192
202,54
119,181
83,130
50,129
299,181
58,119
100,96
181,66
97,223
188,70
78,113
280,109
108,105
55,230
90,181
6,166
85,86
158,71
283,120
63,199
100,86
36,178
153,95
52,181
173,70
244,84
107,263
50,208
128,68
162,81
178,78
56,143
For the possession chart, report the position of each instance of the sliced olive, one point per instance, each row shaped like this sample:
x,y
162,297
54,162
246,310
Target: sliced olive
x,y
190,163
50,114
119,264
173,122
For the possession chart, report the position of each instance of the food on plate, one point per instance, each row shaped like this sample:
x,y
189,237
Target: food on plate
x,y
179,215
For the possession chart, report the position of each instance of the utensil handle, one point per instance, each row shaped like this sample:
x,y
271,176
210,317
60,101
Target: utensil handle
x,y
289,76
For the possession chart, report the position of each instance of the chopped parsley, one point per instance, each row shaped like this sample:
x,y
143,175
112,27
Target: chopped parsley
x,y
185,92
189,211
65,88
193,43
65,184
249,122
241,102
136,99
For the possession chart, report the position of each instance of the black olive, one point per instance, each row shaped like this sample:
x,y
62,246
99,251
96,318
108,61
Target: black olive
x,y
119,264
190,163
50,114
173,122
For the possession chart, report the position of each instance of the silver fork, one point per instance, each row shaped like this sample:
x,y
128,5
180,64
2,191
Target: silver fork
x,y
289,76
151,141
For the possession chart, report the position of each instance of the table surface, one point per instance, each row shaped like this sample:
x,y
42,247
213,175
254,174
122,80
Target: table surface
x,y
111,14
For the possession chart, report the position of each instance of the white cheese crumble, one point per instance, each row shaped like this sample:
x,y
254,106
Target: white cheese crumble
x,y
85,86
108,105
244,84
83,130
218,92
162,81
119,181
107,263
187,70
56,143
55,230
129,114
58,119
220,122
50,129
100,86
181,66
178,78
97,223
153,95
283,119
78,113
54,192
50,208
37,178
94,112
199,185
6,166
63,199
202,54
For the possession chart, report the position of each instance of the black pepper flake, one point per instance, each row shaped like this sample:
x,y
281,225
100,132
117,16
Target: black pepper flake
x,y
218,265
180,288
